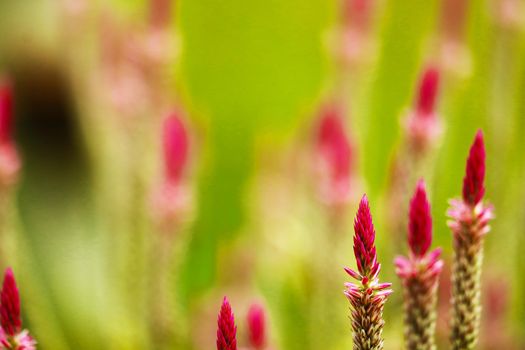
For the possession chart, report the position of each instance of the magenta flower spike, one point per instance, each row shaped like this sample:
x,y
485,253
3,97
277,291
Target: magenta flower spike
x,y
11,334
6,113
428,91
335,154
420,222
368,296
9,160
473,182
419,273
226,330
257,327
171,199
10,305
176,147
469,223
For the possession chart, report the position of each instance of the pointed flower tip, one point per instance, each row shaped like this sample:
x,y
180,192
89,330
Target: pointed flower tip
x,y
428,90
175,138
10,305
226,329
364,245
257,326
420,222
6,111
473,182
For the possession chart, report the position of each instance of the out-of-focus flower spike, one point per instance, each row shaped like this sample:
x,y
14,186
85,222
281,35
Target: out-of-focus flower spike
x,y
6,112
171,199
175,147
226,329
334,155
422,124
367,299
428,92
420,222
160,13
473,182
356,23
9,159
257,326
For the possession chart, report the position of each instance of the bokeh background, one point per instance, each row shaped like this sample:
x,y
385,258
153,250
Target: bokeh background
x,y
93,81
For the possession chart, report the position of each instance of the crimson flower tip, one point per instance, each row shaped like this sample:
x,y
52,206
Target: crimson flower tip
x,y
364,245
473,182
420,222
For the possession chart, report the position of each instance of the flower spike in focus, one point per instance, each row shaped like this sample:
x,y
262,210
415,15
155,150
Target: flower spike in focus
x,y
367,297
469,223
226,330
12,336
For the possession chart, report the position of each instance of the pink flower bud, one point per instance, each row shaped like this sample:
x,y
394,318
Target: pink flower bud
x,y
420,222
473,182
257,326
226,331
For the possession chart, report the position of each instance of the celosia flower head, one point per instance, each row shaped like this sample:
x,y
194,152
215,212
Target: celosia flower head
x,y
420,222
364,245
175,147
428,90
333,143
6,112
473,183
10,305
226,330
257,326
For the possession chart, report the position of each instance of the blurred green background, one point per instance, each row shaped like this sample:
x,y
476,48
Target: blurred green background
x,y
251,76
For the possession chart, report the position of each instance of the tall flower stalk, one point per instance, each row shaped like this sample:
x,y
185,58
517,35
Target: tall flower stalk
x,y
419,273
368,296
469,224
